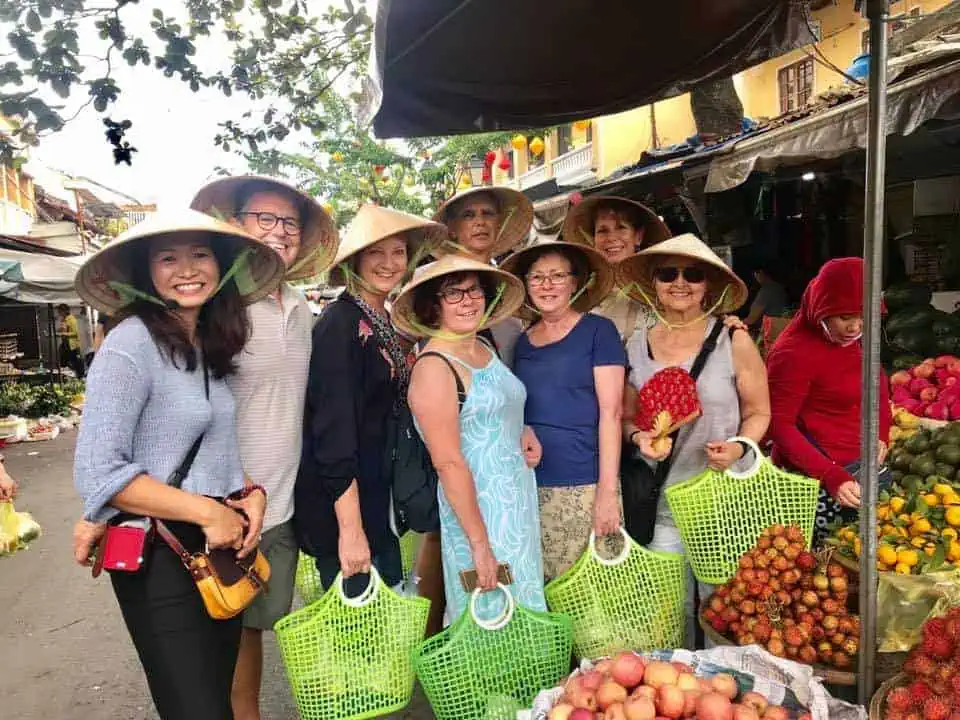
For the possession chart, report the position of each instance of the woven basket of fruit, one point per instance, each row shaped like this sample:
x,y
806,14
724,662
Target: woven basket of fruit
x,y
790,601
878,710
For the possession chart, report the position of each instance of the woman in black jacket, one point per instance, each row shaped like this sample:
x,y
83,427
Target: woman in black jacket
x,y
358,370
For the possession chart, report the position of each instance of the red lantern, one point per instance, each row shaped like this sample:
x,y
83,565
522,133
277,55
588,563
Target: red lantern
x,y
490,158
504,162
487,175
378,169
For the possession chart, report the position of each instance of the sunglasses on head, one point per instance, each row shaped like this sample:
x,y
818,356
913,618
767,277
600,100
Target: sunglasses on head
x,y
692,274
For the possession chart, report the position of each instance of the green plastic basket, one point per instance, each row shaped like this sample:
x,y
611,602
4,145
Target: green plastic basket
x,y
488,670
307,579
351,658
720,514
409,544
634,601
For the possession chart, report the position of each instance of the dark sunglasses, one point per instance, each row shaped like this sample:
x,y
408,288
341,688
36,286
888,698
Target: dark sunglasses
x,y
692,274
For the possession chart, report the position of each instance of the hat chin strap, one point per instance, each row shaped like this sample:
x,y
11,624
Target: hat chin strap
x,y
677,326
438,334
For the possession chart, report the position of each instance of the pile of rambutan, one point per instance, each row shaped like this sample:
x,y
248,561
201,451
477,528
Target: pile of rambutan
x,y
933,669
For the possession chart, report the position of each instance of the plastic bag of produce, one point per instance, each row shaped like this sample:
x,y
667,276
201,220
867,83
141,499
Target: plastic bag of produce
x,y
782,682
480,669
350,658
17,529
905,602
633,601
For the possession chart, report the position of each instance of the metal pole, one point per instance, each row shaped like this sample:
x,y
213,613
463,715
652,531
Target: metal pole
x,y
873,245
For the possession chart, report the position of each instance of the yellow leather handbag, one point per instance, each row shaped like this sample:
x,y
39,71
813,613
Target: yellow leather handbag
x,y
227,584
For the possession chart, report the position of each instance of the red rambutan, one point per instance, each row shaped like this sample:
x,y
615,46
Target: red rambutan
x,y
920,691
899,699
937,646
934,627
936,708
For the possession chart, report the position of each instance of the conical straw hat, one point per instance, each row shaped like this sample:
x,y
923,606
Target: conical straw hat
x,y
405,320
601,279
319,241
516,217
113,264
635,274
578,225
373,223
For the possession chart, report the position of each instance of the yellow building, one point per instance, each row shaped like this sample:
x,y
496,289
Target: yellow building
x,y
598,147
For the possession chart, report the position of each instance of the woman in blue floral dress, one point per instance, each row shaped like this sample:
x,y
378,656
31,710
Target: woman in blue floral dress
x,y
477,441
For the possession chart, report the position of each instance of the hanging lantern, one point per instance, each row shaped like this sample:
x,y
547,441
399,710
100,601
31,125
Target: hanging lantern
x,y
409,181
536,146
337,157
465,181
504,163
518,143
581,126
378,169
487,176
490,158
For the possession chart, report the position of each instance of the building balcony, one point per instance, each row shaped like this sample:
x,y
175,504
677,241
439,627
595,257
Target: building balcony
x,y
573,166
533,177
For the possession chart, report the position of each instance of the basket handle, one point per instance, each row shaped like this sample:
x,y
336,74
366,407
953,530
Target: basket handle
x,y
367,596
497,623
757,460
610,562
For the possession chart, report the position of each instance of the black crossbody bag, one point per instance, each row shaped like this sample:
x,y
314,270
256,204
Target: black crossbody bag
x,y
640,484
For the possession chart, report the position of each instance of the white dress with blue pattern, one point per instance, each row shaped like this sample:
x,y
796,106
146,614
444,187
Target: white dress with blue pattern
x,y
491,423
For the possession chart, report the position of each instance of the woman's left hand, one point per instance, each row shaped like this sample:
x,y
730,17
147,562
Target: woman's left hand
x,y
532,451
721,455
732,322
254,506
606,513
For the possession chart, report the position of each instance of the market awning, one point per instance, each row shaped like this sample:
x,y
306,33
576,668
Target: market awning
x,y
462,66
923,96
38,278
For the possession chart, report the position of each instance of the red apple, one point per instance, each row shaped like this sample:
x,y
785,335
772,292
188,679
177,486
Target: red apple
x,y
615,712
610,692
561,711
639,708
581,714
755,700
744,712
775,712
900,378
688,681
924,370
714,706
659,673
725,685
670,701
690,698
627,669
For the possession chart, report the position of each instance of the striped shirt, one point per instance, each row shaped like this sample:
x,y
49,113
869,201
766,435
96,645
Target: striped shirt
x,y
270,388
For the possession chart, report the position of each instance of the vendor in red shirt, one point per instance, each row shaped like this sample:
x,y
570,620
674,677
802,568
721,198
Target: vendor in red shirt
x,y
814,373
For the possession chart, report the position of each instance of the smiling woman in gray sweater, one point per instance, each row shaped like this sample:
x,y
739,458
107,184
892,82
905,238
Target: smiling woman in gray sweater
x,y
156,386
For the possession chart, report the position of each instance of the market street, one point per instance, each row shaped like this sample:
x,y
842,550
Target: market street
x,y
64,653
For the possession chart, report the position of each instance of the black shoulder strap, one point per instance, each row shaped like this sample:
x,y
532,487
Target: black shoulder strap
x,y
709,345
180,474
461,391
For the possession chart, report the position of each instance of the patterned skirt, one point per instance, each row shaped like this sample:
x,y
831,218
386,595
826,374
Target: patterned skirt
x,y
566,519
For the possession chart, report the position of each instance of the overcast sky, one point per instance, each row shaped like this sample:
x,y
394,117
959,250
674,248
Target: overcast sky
x,y
173,128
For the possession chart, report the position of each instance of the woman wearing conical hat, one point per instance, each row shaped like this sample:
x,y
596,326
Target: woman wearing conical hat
x,y
688,289
571,363
176,286
618,228
358,370
487,223
270,386
475,432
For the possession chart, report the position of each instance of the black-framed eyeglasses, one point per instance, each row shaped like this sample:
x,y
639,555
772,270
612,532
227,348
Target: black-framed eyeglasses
x,y
692,274
267,221
555,278
455,295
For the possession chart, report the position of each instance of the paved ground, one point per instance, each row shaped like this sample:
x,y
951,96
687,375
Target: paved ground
x,y
64,653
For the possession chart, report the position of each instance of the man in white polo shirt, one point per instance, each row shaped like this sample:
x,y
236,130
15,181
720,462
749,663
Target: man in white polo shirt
x,y
269,388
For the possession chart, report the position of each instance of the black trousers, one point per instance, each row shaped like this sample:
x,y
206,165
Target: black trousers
x,y
187,656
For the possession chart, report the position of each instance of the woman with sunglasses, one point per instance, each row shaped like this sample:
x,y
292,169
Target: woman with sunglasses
x,y
572,365
469,410
687,288
156,388
358,372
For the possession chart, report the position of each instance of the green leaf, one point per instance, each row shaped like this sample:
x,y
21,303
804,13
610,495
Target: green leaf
x,y
33,21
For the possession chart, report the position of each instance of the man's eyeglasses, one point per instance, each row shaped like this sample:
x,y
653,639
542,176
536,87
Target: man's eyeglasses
x,y
455,295
693,274
555,278
267,221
